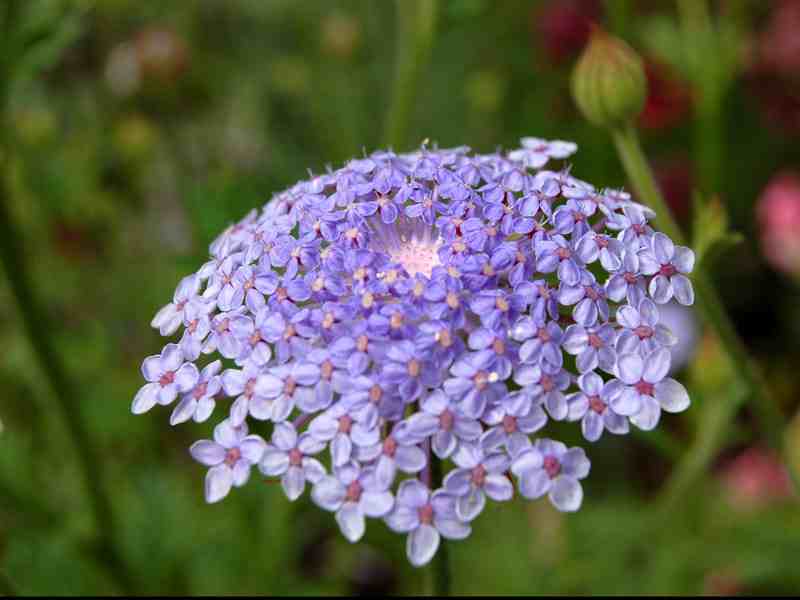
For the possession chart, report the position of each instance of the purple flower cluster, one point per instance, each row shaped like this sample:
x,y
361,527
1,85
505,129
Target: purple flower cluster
x,y
406,308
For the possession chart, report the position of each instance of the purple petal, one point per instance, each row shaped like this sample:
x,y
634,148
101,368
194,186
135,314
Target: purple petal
x,y
422,544
219,480
566,494
351,521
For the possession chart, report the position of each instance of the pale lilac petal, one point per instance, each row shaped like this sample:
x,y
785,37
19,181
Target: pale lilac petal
x,y
241,472
451,528
187,377
657,365
566,493
403,519
219,480
293,483
328,493
682,287
631,368
672,396
351,521
470,505
410,459
534,484
274,462
145,399
628,402
252,448
498,487
648,416
376,504
422,544
183,411
207,452
660,289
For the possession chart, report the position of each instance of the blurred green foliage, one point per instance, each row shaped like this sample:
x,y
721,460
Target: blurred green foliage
x,y
140,130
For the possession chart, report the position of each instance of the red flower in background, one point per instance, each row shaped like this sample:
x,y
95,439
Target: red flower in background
x,y
779,42
675,177
775,72
563,27
668,98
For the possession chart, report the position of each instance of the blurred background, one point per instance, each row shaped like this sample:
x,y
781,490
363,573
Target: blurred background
x,y
135,132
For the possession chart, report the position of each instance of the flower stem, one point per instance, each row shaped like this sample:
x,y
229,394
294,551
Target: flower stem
x,y
416,25
709,304
35,321
438,581
7,587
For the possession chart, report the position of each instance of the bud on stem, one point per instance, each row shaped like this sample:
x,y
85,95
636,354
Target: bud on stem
x,y
608,83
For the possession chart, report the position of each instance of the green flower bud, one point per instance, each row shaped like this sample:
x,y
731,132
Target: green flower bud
x,y
608,83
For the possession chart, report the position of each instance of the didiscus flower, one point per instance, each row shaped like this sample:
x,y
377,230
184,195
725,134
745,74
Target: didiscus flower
x,y
410,308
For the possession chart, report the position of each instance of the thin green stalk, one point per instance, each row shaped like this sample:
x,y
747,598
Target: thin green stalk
x,y
708,303
714,423
7,587
36,323
416,25
439,570
711,78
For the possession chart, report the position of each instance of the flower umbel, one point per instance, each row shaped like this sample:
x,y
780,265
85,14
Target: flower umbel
x,y
408,308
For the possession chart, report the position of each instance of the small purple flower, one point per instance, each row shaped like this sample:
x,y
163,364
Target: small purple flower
x,y
551,385
642,331
353,494
168,376
588,298
407,368
289,456
669,265
627,281
549,468
199,403
478,475
557,254
441,421
535,152
394,453
173,315
594,405
542,341
512,422
426,518
593,347
230,457
473,383
336,427
646,384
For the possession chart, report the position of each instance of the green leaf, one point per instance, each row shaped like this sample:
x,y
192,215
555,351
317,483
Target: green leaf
x,y
712,236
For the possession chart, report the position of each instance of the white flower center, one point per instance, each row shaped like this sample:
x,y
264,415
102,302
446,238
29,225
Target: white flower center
x,y
417,256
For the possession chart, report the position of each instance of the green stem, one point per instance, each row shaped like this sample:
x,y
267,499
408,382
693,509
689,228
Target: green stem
x,y
702,39
7,587
709,302
36,323
416,25
438,579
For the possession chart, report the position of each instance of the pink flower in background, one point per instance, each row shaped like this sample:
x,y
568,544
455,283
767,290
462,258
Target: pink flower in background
x,y
756,478
779,220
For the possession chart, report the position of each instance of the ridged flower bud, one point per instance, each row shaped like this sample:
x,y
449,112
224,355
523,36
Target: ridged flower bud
x,y
609,84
